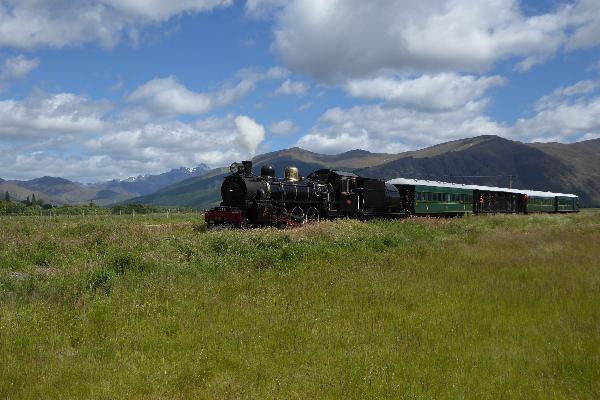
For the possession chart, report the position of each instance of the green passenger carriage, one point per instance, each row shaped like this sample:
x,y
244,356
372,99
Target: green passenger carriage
x,y
422,197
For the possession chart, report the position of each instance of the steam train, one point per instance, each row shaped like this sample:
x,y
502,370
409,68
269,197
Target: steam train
x,y
265,200
250,200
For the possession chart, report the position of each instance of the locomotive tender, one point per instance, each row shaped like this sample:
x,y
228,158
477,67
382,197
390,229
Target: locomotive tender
x,y
265,200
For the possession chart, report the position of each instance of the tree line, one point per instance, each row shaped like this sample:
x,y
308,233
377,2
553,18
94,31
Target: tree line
x,y
33,206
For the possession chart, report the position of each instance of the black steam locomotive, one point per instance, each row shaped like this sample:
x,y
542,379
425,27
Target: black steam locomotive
x,y
265,200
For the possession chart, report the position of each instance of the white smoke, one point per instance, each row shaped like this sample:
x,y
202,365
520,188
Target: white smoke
x,y
250,133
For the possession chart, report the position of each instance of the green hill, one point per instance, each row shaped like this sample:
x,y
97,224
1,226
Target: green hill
x,y
488,160
484,160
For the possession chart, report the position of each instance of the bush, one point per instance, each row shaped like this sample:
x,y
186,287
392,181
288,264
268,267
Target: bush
x,y
100,280
122,263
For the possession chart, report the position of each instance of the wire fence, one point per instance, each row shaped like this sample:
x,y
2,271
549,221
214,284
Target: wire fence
x,y
167,213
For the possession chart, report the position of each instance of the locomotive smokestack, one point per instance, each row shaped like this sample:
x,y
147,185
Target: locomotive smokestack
x,y
247,167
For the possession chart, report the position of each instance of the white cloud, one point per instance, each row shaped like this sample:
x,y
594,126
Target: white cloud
x,y
416,113
282,128
15,68
250,133
17,164
263,8
304,106
42,115
567,114
149,148
428,92
561,122
57,23
584,18
170,144
167,96
339,142
291,88
158,10
335,40
560,95
392,129
256,76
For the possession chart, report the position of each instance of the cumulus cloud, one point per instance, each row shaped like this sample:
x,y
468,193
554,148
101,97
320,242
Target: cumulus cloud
x,y
43,115
394,129
158,10
292,88
560,95
15,68
170,144
167,96
567,114
57,23
263,8
250,133
428,92
17,164
282,128
76,137
335,40
584,18
149,148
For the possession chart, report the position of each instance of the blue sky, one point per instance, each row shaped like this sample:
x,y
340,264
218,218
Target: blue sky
x,y
100,89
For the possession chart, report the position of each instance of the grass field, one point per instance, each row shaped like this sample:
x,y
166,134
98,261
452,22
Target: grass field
x,y
150,307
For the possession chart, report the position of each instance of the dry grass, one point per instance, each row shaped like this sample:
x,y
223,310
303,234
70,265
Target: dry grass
x,y
480,307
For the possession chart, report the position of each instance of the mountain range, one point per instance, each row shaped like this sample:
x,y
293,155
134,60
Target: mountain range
x,y
63,191
483,160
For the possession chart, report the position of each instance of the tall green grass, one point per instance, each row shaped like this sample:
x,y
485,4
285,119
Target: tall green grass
x,y
476,307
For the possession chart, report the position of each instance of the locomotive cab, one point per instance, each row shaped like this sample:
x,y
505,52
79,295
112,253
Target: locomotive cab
x,y
358,197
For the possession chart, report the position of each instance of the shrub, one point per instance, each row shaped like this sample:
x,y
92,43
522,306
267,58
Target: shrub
x,y
100,280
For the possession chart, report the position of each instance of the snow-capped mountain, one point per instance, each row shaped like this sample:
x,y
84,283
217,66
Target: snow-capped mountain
x,y
60,191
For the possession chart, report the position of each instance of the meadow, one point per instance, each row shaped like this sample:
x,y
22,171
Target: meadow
x,y
488,307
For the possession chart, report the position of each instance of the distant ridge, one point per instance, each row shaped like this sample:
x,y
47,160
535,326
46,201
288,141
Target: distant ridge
x,y
566,168
571,168
60,191
559,167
